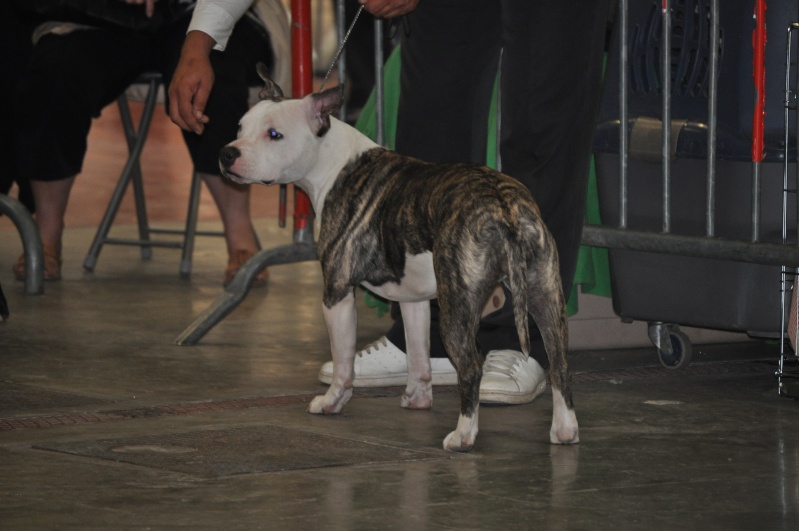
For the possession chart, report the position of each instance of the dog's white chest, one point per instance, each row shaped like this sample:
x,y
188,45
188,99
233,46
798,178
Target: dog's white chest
x,y
417,284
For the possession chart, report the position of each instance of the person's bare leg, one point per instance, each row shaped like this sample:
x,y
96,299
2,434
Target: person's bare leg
x,y
51,199
51,205
233,202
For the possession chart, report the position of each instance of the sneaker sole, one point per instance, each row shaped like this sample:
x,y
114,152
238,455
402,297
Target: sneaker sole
x,y
506,397
441,378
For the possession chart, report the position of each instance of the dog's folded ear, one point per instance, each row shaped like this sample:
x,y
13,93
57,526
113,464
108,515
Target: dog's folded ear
x,y
271,90
324,104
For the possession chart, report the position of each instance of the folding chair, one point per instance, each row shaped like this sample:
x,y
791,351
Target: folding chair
x,y
131,173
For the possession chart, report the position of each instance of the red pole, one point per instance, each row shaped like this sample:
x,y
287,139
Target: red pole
x,y
759,75
302,85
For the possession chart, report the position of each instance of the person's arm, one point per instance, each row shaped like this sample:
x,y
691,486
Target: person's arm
x,y
192,82
211,25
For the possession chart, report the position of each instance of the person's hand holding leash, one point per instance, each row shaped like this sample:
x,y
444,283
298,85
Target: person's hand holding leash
x,y
191,83
389,8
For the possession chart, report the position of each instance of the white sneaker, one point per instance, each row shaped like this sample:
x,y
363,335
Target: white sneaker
x,y
382,364
509,378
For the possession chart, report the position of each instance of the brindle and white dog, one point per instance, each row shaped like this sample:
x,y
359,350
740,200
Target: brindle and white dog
x,y
410,231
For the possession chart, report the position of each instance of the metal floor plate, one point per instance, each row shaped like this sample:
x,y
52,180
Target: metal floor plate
x,y
246,450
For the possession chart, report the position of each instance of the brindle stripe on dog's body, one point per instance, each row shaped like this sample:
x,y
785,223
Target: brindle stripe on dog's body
x,y
386,209
376,205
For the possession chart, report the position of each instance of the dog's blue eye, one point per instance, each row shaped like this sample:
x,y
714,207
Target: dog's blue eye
x,y
274,135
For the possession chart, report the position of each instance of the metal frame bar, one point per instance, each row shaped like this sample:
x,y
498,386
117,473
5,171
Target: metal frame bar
x,y
788,186
711,247
665,88
712,112
624,137
31,243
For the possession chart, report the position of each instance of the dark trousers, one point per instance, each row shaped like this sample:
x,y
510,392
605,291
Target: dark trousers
x,y
15,39
551,69
70,78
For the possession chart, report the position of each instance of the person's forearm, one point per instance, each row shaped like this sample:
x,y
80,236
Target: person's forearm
x,y
197,44
192,82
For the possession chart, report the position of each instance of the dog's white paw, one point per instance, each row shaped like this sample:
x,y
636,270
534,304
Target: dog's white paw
x,y
564,422
462,439
564,436
418,397
458,442
564,428
330,403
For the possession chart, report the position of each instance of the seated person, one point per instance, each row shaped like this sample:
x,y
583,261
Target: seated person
x,y
76,69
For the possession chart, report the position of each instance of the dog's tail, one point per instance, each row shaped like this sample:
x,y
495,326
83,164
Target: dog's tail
x,y
517,283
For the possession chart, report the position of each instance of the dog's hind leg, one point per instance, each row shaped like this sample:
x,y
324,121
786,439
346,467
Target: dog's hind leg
x,y
547,306
341,322
419,392
459,324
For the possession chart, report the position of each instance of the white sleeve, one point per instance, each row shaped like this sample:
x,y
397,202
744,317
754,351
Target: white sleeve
x,y
217,18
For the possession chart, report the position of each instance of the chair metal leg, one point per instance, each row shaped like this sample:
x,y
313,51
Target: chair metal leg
x,y
129,171
31,243
138,184
191,225
132,174
240,285
142,222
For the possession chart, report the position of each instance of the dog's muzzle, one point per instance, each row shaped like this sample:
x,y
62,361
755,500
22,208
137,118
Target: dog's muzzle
x,y
227,158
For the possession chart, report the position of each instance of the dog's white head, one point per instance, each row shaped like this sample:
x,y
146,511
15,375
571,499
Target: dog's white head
x,y
279,138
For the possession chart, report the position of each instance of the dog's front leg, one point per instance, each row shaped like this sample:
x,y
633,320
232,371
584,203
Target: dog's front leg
x,y
419,392
341,322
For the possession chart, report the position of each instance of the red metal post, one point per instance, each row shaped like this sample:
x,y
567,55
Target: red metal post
x,y
759,75
302,85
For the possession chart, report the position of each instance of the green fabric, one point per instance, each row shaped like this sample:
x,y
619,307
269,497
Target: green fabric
x,y
593,272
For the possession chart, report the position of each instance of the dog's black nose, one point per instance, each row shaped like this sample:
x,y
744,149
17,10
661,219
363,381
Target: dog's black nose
x,y
228,155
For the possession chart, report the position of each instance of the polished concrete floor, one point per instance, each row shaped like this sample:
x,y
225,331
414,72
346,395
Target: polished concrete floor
x,y
105,423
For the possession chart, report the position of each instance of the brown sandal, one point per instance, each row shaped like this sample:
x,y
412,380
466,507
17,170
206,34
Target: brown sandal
x,y
234,263
52,266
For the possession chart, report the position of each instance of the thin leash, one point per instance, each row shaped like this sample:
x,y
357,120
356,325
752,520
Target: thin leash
x,y
340,48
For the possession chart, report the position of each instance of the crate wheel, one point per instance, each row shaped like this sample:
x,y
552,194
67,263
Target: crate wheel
x,y
681,350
